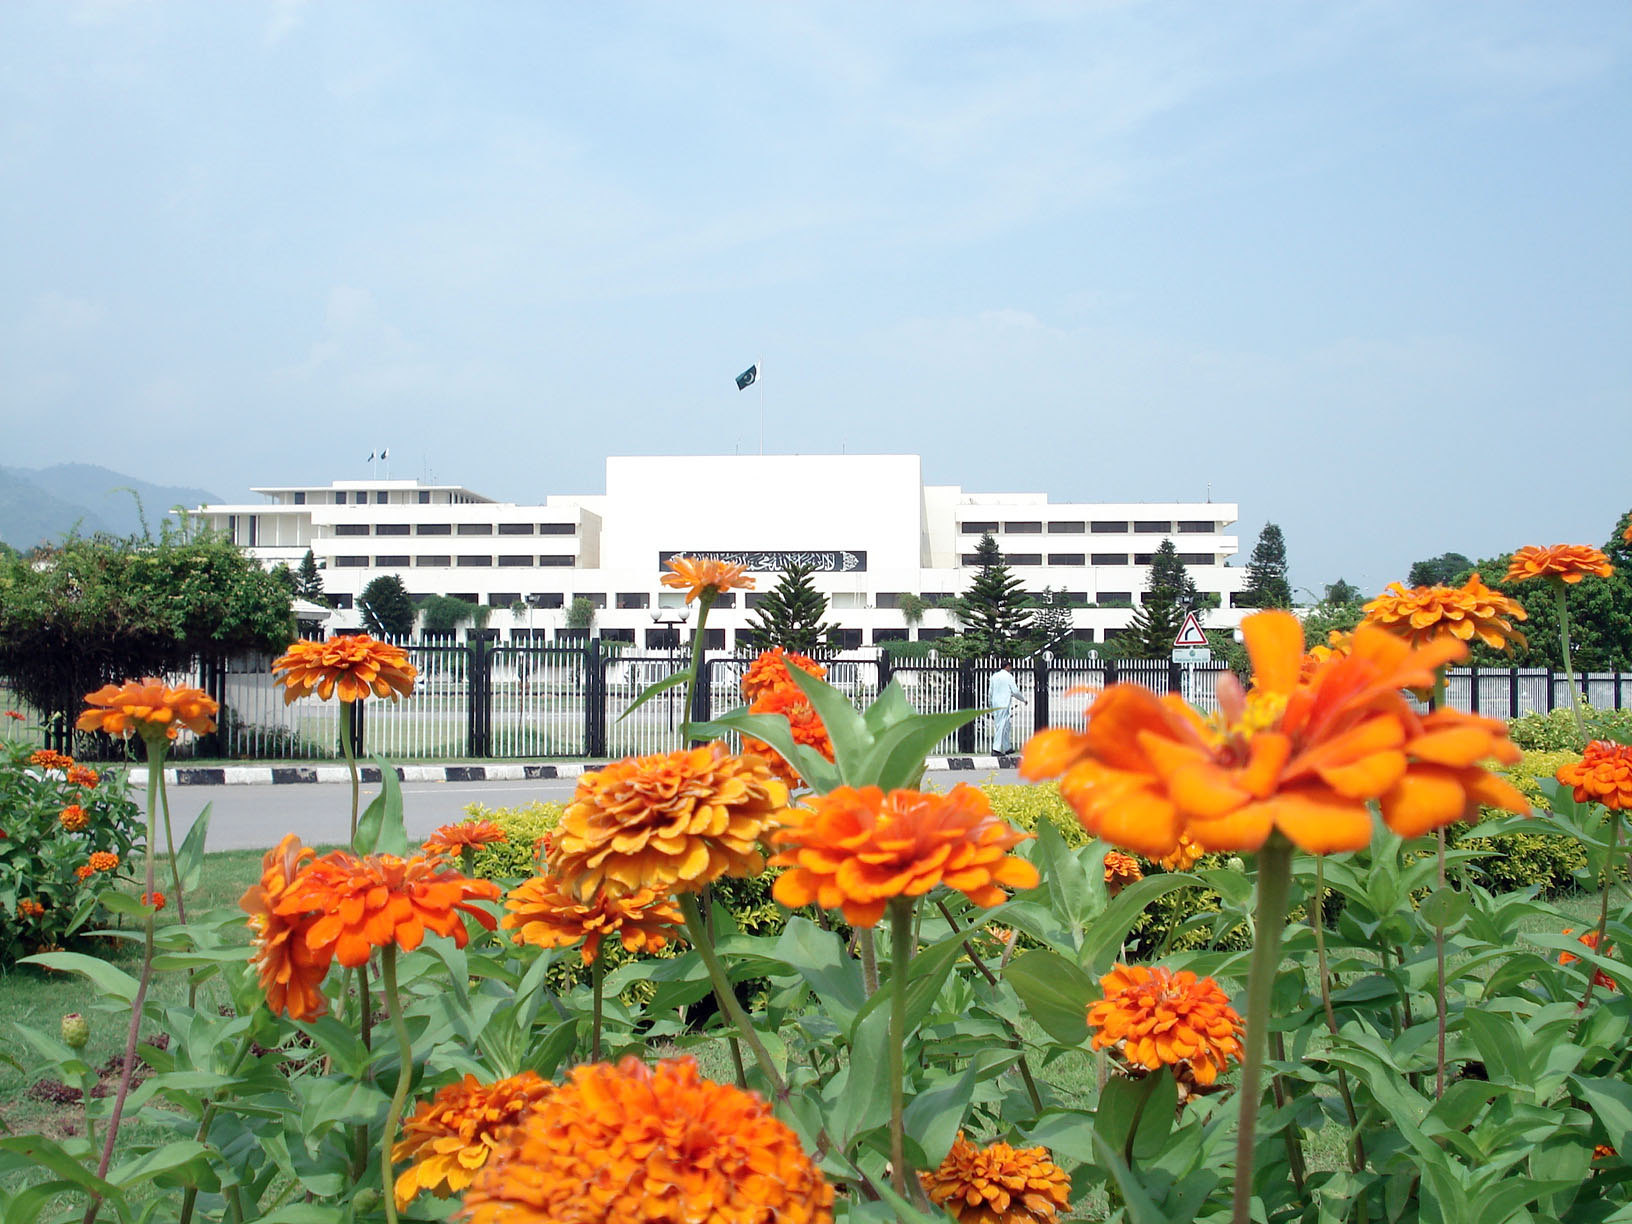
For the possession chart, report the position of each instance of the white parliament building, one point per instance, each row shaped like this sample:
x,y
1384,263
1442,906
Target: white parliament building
x,y
870,526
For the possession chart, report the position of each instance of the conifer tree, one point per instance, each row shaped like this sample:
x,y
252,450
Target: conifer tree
x,y
790,614
388,610
310,580
1170,597
1267,584
996,612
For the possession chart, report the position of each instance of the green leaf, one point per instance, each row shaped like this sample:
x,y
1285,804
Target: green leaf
x,y
817,956
1056,993
896,758
820,774
864,1101
163,1163
1103,940
116,902
934,1116
1445,907
190,858
845,726
107,979
652,690
49,1154
1611,1103
1149,1103
1139,1207
380,829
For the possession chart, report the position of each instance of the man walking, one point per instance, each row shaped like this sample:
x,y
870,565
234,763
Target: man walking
x,y
1004,694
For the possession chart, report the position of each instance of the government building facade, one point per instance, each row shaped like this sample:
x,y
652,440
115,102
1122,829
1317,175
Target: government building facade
x,y
873,530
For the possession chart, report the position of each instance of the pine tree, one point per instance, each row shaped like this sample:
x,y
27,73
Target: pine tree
x,y
1170,597
1443,570
790,614
1341,592
310,580
1267,584
1051,622
388,610
995,612
286,578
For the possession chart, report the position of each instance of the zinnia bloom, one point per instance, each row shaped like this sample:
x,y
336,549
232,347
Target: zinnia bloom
x,y
474,833
73,818
291,970
1424,613
545,914
998,1184
1155,1018
149,707
20,717
1304,758
450,1137
352,665
1566,562
1185,856
1602,775
807,729
45,758
641,1146
1590,940
1120,871
83,871
103,860
770,671
856,850
695,575
672,822
371,901
154,900
83,776
30,908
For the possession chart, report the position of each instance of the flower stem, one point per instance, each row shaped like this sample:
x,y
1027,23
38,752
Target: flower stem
x,y
393,1005
1439,929
900,957
727,997
245,1044
868,947
1274,882
705,601
351,763
170,848
1316,921
1603,904
597,974
1569,667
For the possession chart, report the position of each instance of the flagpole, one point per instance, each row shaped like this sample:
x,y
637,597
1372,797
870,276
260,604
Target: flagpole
x,y
760,366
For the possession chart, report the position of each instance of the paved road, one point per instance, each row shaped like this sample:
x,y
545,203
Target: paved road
x,y
255,817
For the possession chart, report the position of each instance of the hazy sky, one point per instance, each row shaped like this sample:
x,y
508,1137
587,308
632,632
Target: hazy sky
x,y
1362,268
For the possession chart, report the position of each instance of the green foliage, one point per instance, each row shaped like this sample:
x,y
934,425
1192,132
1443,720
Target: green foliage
x,y
1447,569
1327,617
40,858
286,579
1342,592
388,610
1267,583
1170,596
1050,622
995,611
912,607
790,614
515,858
310,579
445,613
1556,731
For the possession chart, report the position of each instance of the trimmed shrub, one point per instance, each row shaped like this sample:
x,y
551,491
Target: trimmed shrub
x,y
1517,860
1556,731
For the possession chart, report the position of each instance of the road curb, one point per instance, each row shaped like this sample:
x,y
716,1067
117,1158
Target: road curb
x,y
284,775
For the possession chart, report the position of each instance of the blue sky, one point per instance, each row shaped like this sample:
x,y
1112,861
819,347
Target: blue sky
x,y
1361,268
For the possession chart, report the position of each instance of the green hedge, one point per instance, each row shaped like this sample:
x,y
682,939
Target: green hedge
x,y
1556,731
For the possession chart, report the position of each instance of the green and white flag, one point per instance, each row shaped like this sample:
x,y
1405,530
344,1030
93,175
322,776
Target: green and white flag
x,y
748,377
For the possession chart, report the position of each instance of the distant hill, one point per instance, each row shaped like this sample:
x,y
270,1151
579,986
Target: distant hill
x,y
38,505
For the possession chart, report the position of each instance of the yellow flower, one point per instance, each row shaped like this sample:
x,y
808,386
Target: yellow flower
x,y
450,1137
998,1184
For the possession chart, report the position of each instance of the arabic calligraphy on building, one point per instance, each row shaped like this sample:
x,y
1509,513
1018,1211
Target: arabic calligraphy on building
x,y
771,561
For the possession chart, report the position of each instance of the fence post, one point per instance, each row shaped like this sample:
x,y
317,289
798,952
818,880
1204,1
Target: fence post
x,y
702,697
1513,692
1113,673
1039,699
594,698
883,666
1617,688
1175,678
1473,689
213,671
966,701
354,711
1552,701
479,712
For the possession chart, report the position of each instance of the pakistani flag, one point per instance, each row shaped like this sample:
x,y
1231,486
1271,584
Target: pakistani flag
x,y
748,377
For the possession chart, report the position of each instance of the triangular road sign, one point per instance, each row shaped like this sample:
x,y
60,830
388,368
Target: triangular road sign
x,y
1190,634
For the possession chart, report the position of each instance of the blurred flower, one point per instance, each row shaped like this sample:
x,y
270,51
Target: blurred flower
x,y
291,971
695,575
474,833
1590,940
83,871
998,1184
1338,646
76,1031
73,818
103,860
1154,1018
1424,613
370,901
450,1137
149,707
45,758
350,666
16,714
29,908
641,1146
770,671
1602,1151
855,850
1188,852
1120,871
83,776
1566,562
1304,758
154,900
545,914
671,822
806,727
1602,775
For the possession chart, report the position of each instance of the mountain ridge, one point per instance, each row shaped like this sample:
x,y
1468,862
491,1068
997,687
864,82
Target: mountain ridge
x,y
42,505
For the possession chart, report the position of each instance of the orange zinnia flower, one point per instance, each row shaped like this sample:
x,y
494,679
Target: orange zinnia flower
x,y
644,1146
1155,1018
546,915
103,860
1566,562
149,707
1602,1151
17,714
770,671
29,908
371,901
154,900
998,1184
856,850
1602,775
83,776
695,575
1304,758
450,1137
1424,613
807,729
672,822
1120,871
474,833
45,758
1590,939
73,818
352,666
291,971
1184,856
83,871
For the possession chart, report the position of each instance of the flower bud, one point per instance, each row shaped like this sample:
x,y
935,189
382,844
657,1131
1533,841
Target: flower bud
x,y
75,1031
1235,863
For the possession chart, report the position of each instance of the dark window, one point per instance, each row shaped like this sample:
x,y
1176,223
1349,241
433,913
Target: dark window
x,y
619,635
713,639
971,558
1112,634
1067,559
515,529
551,559
937,599
1146,525
1143,558
662,639
434,529
889,635
424,497
1196,558
391,529
929,635
752,599
351,562
1067,528
503,599
515,560
382,498
548,599
634,599
1076,599
350,529
887,599
1023,558
1022,528
343,602
847,639
300,498
596,599
391,561
1110,558
434,560
1116,599
1195,526
1082,635
475,528
556,528
1105,527
726,599
471,562
339,499
977,528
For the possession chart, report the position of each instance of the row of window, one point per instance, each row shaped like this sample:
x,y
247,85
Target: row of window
x,y
843,639
359,497
461,561
1086,527
1067,559
464,529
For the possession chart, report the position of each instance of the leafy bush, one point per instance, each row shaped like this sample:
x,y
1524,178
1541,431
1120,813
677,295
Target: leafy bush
x,y
51,827
1510,861
1556,731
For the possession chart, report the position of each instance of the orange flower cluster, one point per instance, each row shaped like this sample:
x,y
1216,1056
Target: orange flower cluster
x,y
671,822
1184,856
1590,940
83,776
644,1146
351,666
1300,756
546,915
473,833
29,908
149,707
103,860
1602,775
770,671
1602,1151
1566,562
695,575
291,970
856,850
1120,871
1424,613
1625,535
998,1184
450,1137
73,818
83,871
45,758
807,728
1154,1018
153,900
17,714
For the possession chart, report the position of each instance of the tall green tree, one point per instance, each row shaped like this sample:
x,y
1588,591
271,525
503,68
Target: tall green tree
x,y
286,578
1446,569
995,612
1341,592
1050,622
1267,583
310,579
790,615
1169,598
388,610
